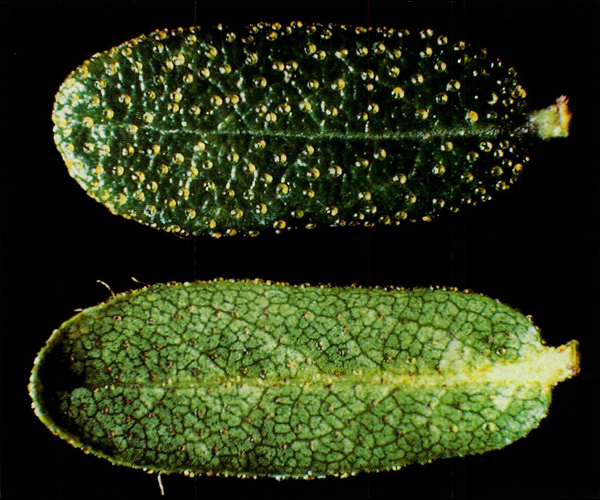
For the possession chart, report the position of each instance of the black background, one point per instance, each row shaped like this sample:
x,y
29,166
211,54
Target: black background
x,y
534,247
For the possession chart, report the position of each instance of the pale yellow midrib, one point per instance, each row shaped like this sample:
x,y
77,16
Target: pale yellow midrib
x,y
546,368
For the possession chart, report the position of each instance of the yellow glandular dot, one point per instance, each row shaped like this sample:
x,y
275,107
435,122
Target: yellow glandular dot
x,y
417,79
459,46
411,198
438,169
122,199
139,176
472,156
467,177
267,178
440,66
200,146
120,170
279,224
109,113
398,93
453,86
379,48
471,117
260,82
368,75
139,194
178,158
313,173
194,171
163,169
212,52
311,48
204,73
148,117
261,208
427,53
335,171
380,154
237,213
282,189
250,168
172,203
212,224
251,59
305,106
497,171
338,84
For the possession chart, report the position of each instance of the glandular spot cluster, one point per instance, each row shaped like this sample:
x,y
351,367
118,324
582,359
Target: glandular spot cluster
x,y
210,131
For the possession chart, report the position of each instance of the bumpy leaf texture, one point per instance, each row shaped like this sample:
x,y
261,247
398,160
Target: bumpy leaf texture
x,y
209,131
254,378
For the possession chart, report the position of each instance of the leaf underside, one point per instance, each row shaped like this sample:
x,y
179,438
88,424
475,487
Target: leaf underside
x,y
250,378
